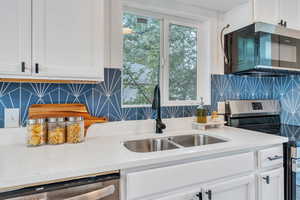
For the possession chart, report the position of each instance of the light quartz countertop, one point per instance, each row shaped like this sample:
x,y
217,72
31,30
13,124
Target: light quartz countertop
x,y
103,150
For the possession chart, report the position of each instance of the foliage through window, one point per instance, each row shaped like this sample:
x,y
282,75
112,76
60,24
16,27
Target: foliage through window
x,y
143,48
141,58
182,63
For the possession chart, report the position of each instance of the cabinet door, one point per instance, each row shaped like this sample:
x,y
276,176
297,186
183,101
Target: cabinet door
x,y
68,39
241,189
267,11
289,12
15,36
271,185
113,34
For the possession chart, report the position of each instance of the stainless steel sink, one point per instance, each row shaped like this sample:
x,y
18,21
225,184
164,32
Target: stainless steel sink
x,y
149,145
168,143
195,140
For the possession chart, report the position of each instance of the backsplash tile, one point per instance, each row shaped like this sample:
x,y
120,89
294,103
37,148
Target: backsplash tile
x,y
287,90
104,99
230,87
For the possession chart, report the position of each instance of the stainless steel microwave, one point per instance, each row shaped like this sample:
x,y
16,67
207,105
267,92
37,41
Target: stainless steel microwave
x,y
262,49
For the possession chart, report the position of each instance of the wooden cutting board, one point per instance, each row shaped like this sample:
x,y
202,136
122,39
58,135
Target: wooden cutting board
x,y
37,111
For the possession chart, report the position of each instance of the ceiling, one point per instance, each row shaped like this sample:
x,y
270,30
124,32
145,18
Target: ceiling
x,y
217,5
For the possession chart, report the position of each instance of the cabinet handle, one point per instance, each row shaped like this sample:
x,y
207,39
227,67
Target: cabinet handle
x,y
280,23
267,179
37,68
23,66
209,194
199,195
275,158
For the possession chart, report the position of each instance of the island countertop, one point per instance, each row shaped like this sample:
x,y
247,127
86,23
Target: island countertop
x,y
104,151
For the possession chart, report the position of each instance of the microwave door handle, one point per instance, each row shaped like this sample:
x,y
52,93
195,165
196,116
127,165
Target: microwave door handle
x,y
97,194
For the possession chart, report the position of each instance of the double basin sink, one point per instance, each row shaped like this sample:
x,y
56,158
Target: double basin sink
x,y
169,143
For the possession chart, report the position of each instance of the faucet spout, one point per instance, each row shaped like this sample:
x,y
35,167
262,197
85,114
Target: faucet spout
x,y
156,105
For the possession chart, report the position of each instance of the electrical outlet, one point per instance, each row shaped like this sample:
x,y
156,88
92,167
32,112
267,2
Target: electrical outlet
x,y
12,118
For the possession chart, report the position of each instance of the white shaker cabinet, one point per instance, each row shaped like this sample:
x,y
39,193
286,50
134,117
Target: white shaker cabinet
x,y
271,185
68,39
290,12
15,37
240,188
267,11
113,34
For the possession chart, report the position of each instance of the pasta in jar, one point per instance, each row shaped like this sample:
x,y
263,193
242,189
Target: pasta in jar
x,y
56,131
75,130
36,132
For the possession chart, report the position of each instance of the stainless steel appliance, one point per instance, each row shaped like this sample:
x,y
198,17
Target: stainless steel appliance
x,y
94,187
264,116
263,49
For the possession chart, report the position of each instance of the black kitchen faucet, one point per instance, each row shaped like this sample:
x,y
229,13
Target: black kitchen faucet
x,y
156,105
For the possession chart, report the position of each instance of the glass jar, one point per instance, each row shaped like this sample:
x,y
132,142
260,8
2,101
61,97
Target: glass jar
x,y
36,132
56,131
75,130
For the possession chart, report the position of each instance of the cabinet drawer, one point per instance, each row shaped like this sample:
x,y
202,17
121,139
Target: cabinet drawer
x,y
270,157
154,181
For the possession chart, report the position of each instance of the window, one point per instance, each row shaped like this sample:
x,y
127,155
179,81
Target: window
x,y
159,50
141,58
182,63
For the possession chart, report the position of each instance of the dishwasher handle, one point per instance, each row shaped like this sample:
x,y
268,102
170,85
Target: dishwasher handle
x,y
97,194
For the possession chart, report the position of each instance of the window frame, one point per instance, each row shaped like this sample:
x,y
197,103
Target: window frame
x,y
166,20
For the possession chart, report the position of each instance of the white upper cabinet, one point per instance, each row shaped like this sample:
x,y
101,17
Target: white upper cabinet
x,y
68,39
60,39
113,34
15,35
267,11
290,12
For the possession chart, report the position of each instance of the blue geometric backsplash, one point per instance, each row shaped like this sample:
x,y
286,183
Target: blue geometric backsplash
x,y
104,99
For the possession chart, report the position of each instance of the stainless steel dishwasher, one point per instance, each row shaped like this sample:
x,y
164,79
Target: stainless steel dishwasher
x,y
93,187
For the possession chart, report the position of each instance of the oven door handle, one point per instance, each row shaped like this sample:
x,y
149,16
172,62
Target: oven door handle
x,y
97,194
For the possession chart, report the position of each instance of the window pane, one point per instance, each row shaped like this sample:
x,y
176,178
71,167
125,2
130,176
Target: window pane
x,y
141,58
182,63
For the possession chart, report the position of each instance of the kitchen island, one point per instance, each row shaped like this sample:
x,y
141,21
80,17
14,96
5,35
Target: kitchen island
x,y
244,152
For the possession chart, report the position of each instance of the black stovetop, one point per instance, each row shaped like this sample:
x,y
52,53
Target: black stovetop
x,y
270,125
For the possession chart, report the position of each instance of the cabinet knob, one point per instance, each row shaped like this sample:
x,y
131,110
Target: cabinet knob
x,y
209,194
280,23
37,70
199,195
267,179
23,66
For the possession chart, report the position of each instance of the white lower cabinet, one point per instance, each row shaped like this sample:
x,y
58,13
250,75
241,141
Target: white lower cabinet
x,y
271,185
239,188
242,176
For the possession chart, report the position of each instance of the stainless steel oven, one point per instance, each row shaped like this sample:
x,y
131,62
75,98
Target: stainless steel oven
x,y
264,116
93,187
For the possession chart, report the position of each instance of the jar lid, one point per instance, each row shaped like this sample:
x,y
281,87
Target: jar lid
x,y
79,119
61,119
52,120
31,121
71,119
40,121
